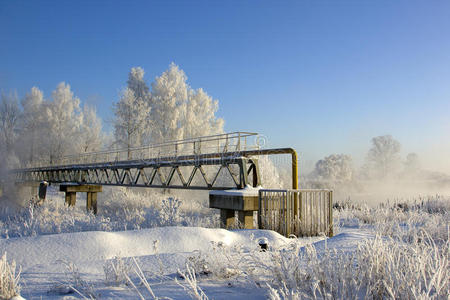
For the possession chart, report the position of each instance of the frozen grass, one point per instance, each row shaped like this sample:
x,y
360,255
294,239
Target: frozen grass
x,y
74,283
117,271
380,268
401,219
191,286
9,279
119,209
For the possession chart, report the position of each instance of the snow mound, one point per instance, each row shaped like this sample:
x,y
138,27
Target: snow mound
x,y
93,246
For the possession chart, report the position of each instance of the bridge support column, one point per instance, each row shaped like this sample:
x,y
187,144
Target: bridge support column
x,y
231,201
91,194
91,202
227,218
71,198
246,219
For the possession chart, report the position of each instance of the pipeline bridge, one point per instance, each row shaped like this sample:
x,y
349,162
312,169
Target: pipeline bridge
x,y
218,163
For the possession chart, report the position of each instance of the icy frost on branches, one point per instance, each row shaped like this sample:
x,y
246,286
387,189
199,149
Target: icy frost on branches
x,y
131,123
172,110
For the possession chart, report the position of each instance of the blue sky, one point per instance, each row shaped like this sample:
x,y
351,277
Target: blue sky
x,y
321,76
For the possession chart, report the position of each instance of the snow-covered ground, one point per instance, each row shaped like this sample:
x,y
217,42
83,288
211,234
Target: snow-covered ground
x,y
160,253
384,252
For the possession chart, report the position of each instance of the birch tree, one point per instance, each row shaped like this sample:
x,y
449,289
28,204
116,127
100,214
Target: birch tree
x,y
91,136
169,92
131,120
64,120
32,123
137,84
9,121
200,115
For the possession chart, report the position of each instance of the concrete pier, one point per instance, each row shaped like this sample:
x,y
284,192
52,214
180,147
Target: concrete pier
x,y
231,202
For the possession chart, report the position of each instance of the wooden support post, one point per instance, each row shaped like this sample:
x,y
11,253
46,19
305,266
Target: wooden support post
x,y
88,201
91,197
91,202
246,219
71,198
227,218
94,202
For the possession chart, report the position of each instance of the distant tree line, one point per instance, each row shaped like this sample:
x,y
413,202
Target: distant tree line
x,y
36,128
383,162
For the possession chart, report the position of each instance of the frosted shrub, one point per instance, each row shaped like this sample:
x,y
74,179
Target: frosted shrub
x,y
9,279
52,218
119,209
116,271
170,213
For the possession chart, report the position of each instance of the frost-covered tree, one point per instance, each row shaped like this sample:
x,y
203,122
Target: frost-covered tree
x,y
171,111
169,92
180,112
32,123
335,168
91,136
9,121
64,121
137,84
383,159
131,120
200,115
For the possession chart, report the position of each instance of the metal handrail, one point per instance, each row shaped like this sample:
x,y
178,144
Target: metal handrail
x,y
236,141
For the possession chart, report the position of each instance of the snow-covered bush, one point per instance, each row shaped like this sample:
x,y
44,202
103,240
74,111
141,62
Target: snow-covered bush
x,y
170,213
9,279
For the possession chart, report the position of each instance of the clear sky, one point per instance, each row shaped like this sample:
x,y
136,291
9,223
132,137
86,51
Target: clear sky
x,y
321,76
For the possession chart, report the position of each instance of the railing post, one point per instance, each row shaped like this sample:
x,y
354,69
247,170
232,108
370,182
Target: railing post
x,y
259,209
238,145
330,207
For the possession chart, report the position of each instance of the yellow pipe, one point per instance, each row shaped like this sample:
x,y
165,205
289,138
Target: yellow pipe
x,y
290,151
294,169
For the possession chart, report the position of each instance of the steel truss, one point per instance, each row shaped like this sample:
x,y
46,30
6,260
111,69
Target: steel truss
x,y
164,172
